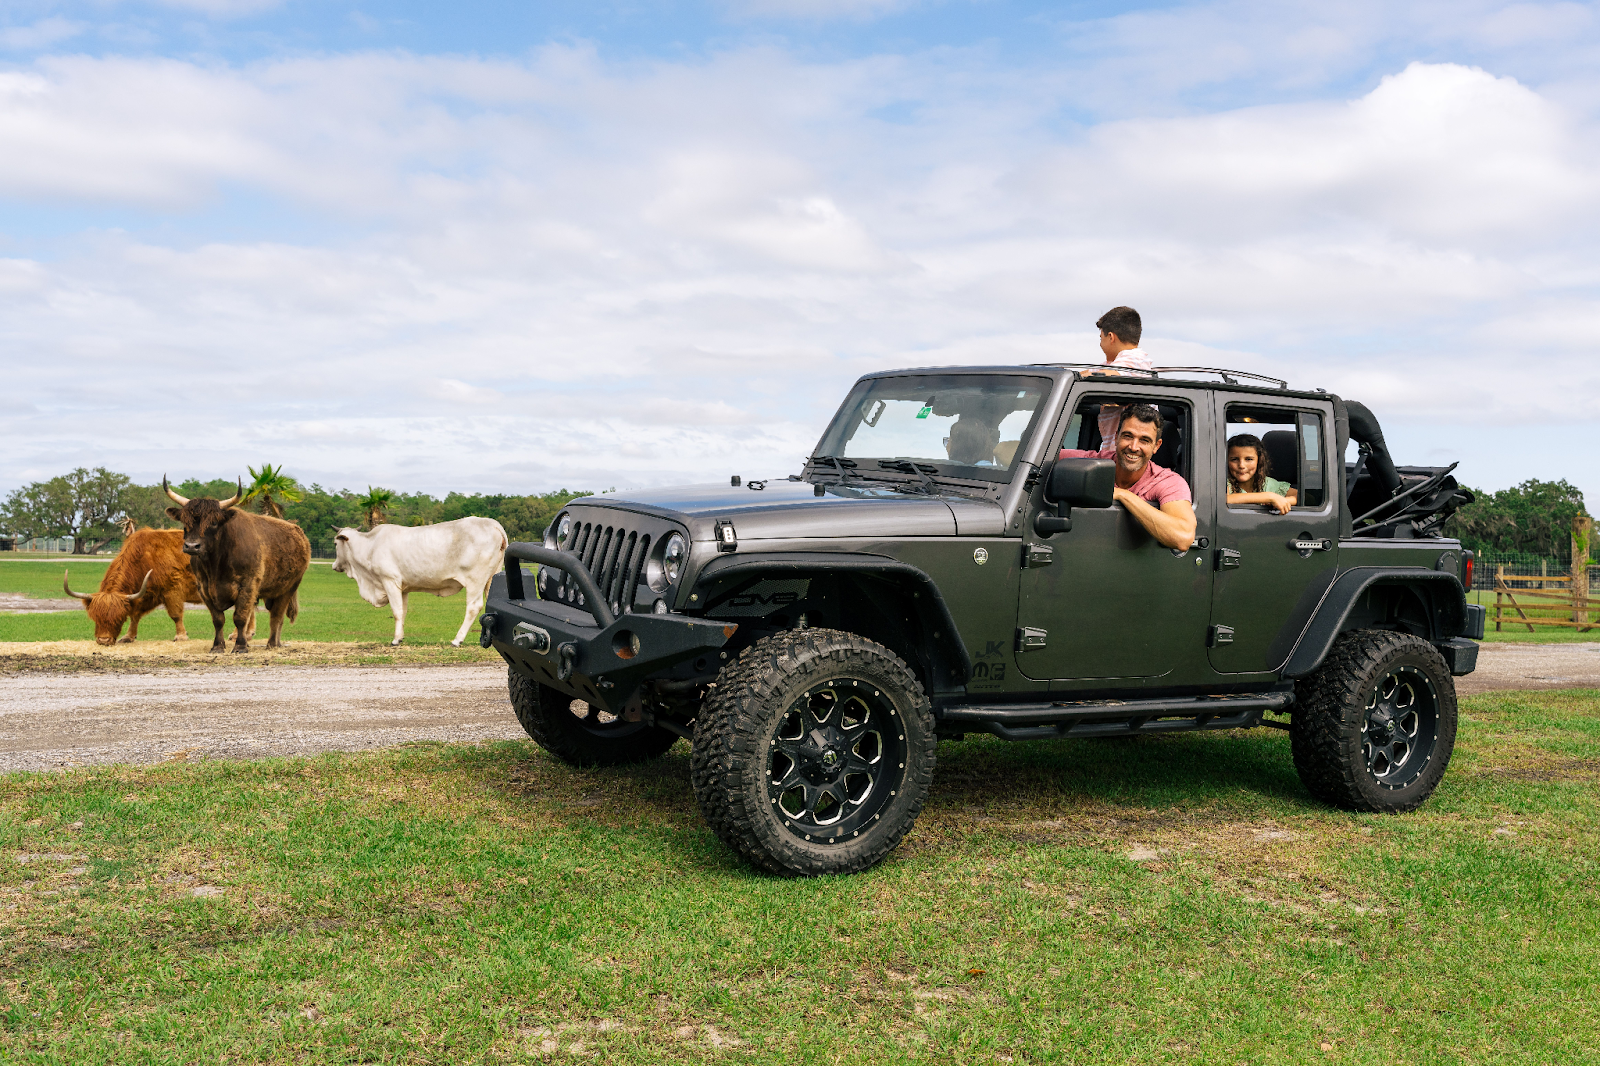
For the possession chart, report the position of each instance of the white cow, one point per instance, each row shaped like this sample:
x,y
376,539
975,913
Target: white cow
x,y
391,561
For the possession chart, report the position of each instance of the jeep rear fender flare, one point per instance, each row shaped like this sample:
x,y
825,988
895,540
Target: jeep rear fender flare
x,y
949,664
1439,591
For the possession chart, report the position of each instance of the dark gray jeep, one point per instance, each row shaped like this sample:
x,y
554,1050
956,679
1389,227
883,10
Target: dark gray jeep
x,y
935,569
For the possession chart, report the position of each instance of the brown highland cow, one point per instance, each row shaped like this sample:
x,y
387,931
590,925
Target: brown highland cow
x,y
150,571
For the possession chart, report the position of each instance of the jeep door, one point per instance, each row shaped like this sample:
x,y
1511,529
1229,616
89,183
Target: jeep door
x,y
1106,600
1273,569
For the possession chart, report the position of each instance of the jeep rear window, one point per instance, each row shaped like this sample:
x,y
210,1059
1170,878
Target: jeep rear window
x,y
967,425
1292,444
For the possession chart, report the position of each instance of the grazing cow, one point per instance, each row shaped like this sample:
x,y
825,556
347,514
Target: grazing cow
x,y
391,561
150,571
239,558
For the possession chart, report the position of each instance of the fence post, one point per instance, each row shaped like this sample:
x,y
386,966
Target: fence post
x,y
1582,526
1499,583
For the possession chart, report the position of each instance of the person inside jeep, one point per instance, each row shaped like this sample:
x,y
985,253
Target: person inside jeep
x,y
1158,498
1249,480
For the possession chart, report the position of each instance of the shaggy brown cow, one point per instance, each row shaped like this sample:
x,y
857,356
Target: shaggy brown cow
x,y
150,571
239,558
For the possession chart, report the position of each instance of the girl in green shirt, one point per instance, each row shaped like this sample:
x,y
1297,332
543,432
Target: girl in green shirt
x,y
1248,467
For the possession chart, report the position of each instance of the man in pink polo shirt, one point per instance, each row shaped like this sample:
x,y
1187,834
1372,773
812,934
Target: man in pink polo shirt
x,y
1157,497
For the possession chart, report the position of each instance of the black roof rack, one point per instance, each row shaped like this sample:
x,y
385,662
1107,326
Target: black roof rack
x,y
1228,376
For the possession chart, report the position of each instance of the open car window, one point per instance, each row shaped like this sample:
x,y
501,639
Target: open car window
x,y
1084,428
1291,447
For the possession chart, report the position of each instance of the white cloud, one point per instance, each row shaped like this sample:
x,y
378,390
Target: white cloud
x,y
41,34
221,8
559,270
816,9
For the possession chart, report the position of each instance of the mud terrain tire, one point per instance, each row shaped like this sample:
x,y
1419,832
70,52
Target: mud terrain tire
x,y
1373,729
551,718
813,753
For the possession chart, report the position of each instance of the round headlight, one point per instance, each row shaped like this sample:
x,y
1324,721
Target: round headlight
x,y
563,531
550,535
672,558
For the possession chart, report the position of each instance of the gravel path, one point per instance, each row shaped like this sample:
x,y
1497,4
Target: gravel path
x,y
1533,666
49,721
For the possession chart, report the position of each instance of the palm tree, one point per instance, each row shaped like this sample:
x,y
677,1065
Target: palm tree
x,y
270,480
375,502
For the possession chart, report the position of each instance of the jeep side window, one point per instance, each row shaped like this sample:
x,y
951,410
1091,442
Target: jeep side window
x,y
1281,452
1083,430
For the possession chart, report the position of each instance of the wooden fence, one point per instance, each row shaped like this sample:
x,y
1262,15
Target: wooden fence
x,y
1545,600
1551,603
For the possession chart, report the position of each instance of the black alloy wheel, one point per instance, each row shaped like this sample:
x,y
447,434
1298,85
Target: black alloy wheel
x,y
834,758
814,752
1401,727
1374,728
578,732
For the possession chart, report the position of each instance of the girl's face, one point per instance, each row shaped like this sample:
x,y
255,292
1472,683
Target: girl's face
x,y
1241,463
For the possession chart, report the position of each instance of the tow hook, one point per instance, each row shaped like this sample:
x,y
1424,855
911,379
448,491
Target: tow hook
x,y
566,656
486,636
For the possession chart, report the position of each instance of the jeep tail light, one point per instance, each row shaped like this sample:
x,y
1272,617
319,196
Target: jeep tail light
x,y
1466,573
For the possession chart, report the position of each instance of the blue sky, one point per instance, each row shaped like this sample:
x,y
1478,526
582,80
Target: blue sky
x,y
510,247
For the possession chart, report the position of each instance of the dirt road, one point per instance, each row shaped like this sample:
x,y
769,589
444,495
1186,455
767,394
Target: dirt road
x,y
50,720
1533,666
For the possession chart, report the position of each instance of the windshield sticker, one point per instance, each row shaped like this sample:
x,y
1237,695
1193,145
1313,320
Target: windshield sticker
x,y
926,411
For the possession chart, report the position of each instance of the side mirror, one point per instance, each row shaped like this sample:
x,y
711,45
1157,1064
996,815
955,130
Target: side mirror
x,y
1075,483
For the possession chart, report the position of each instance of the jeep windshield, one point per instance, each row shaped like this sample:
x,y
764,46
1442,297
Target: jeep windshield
x,y
952,425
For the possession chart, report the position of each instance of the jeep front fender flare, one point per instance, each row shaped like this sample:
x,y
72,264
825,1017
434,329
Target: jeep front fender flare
x,y
948,661
1444,596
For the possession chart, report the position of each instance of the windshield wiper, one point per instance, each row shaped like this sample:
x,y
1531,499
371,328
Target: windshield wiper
x,y
838,464
906,466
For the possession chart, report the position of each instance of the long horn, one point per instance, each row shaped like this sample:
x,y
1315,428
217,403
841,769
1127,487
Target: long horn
x,y
234,499
179,500
131,596
65,574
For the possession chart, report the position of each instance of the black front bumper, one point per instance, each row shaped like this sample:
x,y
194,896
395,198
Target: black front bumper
x,y
589,654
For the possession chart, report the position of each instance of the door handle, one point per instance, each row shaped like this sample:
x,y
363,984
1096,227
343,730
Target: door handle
x,y
1305,546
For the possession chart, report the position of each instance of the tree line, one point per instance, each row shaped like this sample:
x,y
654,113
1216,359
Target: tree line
x,y
1533,518
97,507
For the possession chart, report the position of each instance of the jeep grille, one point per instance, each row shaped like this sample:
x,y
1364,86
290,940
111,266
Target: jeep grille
x,y
614,557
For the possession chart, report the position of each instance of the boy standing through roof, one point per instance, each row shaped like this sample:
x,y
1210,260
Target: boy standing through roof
x,y
1119,340
1120,329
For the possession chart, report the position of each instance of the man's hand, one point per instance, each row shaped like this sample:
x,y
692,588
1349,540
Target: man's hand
x,y
1173,525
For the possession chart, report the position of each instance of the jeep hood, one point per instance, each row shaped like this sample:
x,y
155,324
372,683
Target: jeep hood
x,y
792,509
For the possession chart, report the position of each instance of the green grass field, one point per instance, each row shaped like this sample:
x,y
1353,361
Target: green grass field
x,y
1166,899
330,610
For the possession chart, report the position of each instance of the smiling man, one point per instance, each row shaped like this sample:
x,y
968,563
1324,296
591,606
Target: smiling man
x,y
1159,498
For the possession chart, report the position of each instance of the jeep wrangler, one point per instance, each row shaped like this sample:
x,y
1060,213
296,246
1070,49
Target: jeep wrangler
x,y
937,568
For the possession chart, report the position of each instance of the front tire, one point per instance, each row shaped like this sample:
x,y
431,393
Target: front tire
x,y
814,752
580,734
1373,729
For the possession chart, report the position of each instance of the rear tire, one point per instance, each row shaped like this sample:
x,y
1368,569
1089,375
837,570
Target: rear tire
x,y
814,752
1373,729
576,732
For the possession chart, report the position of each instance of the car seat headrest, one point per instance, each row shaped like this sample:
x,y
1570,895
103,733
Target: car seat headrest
x,y
1280,446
